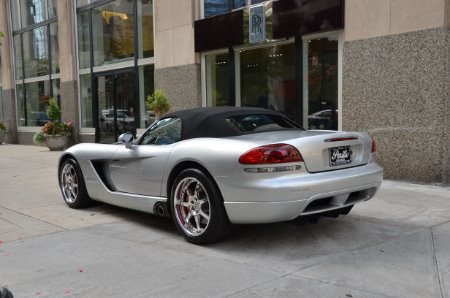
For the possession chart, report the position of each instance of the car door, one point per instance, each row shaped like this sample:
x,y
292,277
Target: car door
x,y
140,169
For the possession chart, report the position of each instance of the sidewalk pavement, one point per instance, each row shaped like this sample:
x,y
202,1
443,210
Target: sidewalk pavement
x,y
395,245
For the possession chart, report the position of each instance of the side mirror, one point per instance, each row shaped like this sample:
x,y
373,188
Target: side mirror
x,y
126,138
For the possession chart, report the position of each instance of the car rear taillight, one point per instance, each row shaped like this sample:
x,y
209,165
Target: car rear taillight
x,y
271,154
374,146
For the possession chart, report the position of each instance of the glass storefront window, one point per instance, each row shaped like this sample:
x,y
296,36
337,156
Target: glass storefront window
x,y
54,45
20,104
33,12
239,3
51,8
215,7
84,40
36,98
15,15
85,2
145,27
35,50
146,87
113,30
56,86
18,57
322,83
86,101
217,80
268,77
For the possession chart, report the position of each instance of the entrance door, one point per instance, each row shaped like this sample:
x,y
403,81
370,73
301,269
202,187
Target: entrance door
x,y
116,107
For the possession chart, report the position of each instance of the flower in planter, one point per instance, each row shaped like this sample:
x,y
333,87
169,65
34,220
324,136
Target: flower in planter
x,y
54,127
158,102
2,126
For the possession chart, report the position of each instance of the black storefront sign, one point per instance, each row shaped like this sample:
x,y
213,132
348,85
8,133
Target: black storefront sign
x,y
290,18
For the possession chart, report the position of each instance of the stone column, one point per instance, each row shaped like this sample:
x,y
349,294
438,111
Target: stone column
x,y
7,73
177,66
68,63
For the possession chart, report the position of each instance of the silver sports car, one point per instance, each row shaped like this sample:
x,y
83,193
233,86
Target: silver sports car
x,y
209,168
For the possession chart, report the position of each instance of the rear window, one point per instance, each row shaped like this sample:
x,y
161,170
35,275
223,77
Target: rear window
x,y
259,123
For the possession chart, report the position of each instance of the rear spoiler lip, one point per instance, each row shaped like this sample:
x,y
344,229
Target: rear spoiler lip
x,y
341,139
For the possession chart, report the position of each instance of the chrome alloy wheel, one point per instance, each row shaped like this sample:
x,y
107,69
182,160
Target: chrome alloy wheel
x,y
192,206
69,183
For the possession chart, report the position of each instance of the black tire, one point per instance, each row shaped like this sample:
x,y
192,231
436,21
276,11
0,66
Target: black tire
x,y
197,208
5,293
71,183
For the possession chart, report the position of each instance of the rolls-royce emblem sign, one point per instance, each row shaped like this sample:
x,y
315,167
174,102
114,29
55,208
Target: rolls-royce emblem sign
x,y
257,22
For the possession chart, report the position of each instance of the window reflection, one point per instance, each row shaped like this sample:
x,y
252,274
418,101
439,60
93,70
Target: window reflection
x,y
146,87
85,2
35,51
113,32
54,45
322,83
36,98
18,57
267,78
33,12
215,7
145,21
86,101
84,55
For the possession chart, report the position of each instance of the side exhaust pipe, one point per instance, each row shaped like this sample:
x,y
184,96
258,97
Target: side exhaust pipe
x,y
161,209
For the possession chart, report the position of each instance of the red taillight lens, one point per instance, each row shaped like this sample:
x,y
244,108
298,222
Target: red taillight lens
x,y
374,146
270,154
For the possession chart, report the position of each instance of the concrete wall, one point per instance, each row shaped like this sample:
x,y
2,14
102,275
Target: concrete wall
x,y
177,68
367,18
396,87
396,84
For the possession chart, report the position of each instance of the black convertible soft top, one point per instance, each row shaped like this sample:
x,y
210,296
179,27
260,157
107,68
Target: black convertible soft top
x,y
211,122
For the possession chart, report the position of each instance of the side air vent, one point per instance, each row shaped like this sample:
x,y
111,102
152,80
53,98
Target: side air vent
x,y
100,169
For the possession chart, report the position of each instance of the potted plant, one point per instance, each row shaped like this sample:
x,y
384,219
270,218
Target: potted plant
x,y
2,132
55,133
159,103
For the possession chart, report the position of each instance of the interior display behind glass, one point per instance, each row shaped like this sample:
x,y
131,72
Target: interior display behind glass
x,y
217,80
113,31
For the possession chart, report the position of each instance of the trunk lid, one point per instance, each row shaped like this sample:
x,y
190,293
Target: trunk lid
x,y
321,150
333,150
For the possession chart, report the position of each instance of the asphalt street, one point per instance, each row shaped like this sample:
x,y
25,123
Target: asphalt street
x,y
395,245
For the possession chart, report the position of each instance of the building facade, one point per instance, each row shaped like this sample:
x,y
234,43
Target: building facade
x,y
377,66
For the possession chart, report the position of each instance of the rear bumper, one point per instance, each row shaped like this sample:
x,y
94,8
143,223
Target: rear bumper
x,y
285,198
